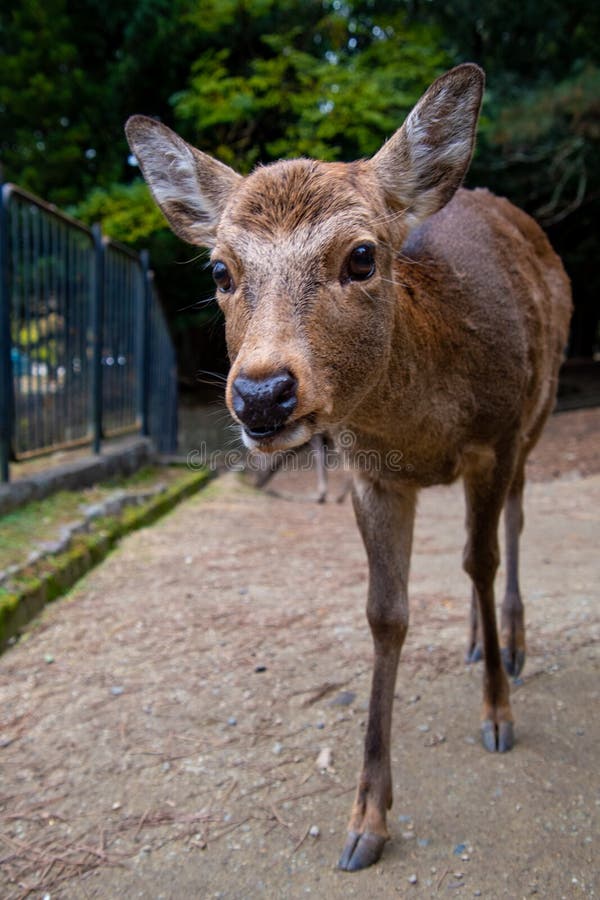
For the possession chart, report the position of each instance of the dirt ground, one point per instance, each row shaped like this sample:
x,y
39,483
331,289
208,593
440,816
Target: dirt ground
x,y
160,726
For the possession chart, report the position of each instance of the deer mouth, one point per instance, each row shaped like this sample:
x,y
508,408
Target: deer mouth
x,y
282,437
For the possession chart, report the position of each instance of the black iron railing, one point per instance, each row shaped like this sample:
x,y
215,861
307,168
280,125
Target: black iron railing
x,y
85,352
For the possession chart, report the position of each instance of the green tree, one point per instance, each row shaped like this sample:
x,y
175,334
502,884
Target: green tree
x,y
43,87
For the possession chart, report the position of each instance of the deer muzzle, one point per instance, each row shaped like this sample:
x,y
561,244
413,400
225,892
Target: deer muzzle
x,y
264,405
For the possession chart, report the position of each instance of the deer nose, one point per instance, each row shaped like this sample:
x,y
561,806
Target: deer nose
x,y
263,405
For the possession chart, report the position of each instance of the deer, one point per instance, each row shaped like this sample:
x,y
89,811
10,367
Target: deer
x,y
382,300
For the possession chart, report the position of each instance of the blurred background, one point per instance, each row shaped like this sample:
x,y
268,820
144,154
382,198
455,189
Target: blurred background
x,y
251,81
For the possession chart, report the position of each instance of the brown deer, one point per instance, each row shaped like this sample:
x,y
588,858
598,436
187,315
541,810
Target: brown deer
x,y
377,299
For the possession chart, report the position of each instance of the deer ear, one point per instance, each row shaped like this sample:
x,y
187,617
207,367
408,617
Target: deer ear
x,y
191,188
424,162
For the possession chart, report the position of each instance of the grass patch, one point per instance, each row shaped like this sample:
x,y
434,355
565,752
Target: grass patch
x,y
51,576
39,521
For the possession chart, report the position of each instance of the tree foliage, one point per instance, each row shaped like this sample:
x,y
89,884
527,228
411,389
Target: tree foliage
x,y
254,80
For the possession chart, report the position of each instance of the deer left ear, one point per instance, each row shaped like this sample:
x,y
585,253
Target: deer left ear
x,y
423,164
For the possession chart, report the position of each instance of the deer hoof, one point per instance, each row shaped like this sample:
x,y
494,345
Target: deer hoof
x,y
513,660
474,654
497,738
361,850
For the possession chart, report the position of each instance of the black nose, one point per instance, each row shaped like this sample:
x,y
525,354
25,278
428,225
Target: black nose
x,y
264,405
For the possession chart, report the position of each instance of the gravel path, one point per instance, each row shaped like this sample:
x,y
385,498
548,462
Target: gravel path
x,y
160,726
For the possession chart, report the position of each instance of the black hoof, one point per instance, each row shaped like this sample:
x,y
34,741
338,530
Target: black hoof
x,y
497,738
474,654
513,661
361,851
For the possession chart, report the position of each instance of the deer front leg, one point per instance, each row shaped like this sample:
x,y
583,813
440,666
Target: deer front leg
x,y
385,518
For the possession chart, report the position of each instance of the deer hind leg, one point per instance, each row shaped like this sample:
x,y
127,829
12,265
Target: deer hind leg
x,y
513,616
271,465
385,519
486,485
512,628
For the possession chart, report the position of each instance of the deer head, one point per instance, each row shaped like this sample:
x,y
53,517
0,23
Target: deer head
x,y
304,256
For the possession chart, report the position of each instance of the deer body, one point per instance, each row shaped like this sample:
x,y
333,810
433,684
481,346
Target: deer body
x,y
421,324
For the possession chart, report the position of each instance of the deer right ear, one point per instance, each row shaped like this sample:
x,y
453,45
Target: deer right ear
x,y
191,188
424,162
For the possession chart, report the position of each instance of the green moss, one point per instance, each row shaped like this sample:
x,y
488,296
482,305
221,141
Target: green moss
x,y
51,577
41,520
53,587
37,521
8,606
97,545
13,616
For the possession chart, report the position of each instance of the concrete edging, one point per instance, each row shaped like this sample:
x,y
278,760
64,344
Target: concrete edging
x,y
53,576
122,459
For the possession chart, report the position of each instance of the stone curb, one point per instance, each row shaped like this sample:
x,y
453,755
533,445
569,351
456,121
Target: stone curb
x,y
110,507
123,459
52,576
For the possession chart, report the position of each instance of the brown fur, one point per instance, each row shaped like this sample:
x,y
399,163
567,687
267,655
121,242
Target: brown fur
x,y
442,364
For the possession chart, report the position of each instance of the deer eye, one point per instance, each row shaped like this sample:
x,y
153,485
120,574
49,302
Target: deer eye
x,y
221,276
361,262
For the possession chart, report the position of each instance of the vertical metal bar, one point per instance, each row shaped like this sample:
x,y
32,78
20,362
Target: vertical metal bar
x,y
125,313
46,293
121,334
174,418
68,399
110,328
127,346
60,301
122,316
97,337
52,295
86,387
144,301
136,286
28,405
14,313
23,423
6,385
83,327
66,319
33,330
75,365
107,373
114,329
72,380
43,407
106,334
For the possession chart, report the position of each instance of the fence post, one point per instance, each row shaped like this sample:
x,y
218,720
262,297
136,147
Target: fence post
x,y
97,331
144,324
6,380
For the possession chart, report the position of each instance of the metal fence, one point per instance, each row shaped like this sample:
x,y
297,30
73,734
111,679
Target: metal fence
x,y
85,352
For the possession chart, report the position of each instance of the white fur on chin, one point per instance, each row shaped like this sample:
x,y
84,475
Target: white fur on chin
x,y
294,435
